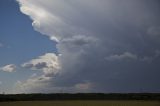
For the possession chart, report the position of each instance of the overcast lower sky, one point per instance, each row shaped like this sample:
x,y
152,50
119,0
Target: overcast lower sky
x,y
49,46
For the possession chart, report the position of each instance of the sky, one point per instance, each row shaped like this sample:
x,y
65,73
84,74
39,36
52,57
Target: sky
x,y
50,46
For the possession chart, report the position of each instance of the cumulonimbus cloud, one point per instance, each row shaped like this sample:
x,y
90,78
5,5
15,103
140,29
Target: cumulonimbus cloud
x,y
89,32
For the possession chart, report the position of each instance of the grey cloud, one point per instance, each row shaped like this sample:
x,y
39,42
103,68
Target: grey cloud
x,y
124,56
41,65
152,58
37,66
154,33
90,31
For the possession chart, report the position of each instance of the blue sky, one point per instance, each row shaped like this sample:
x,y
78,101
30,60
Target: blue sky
x,y
20,42
18,36
79,46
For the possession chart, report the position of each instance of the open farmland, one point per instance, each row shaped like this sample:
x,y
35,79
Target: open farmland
x,y
81,103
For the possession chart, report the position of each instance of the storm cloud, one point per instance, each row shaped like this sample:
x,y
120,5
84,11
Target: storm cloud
x,y
112,45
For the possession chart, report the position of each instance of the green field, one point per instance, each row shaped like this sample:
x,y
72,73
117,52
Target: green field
x,y
81,103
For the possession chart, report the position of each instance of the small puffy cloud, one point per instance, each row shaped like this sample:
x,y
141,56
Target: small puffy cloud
x,y
124,56
9,68
48,63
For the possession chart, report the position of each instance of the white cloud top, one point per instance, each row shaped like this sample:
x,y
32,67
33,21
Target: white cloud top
x,y
48,63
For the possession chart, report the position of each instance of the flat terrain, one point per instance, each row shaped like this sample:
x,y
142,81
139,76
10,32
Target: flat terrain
x,y
81,103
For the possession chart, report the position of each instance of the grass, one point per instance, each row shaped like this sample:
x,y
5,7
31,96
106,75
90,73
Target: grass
x,y
81,103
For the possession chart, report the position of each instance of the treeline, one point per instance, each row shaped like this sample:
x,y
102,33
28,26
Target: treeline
x,y
80,96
